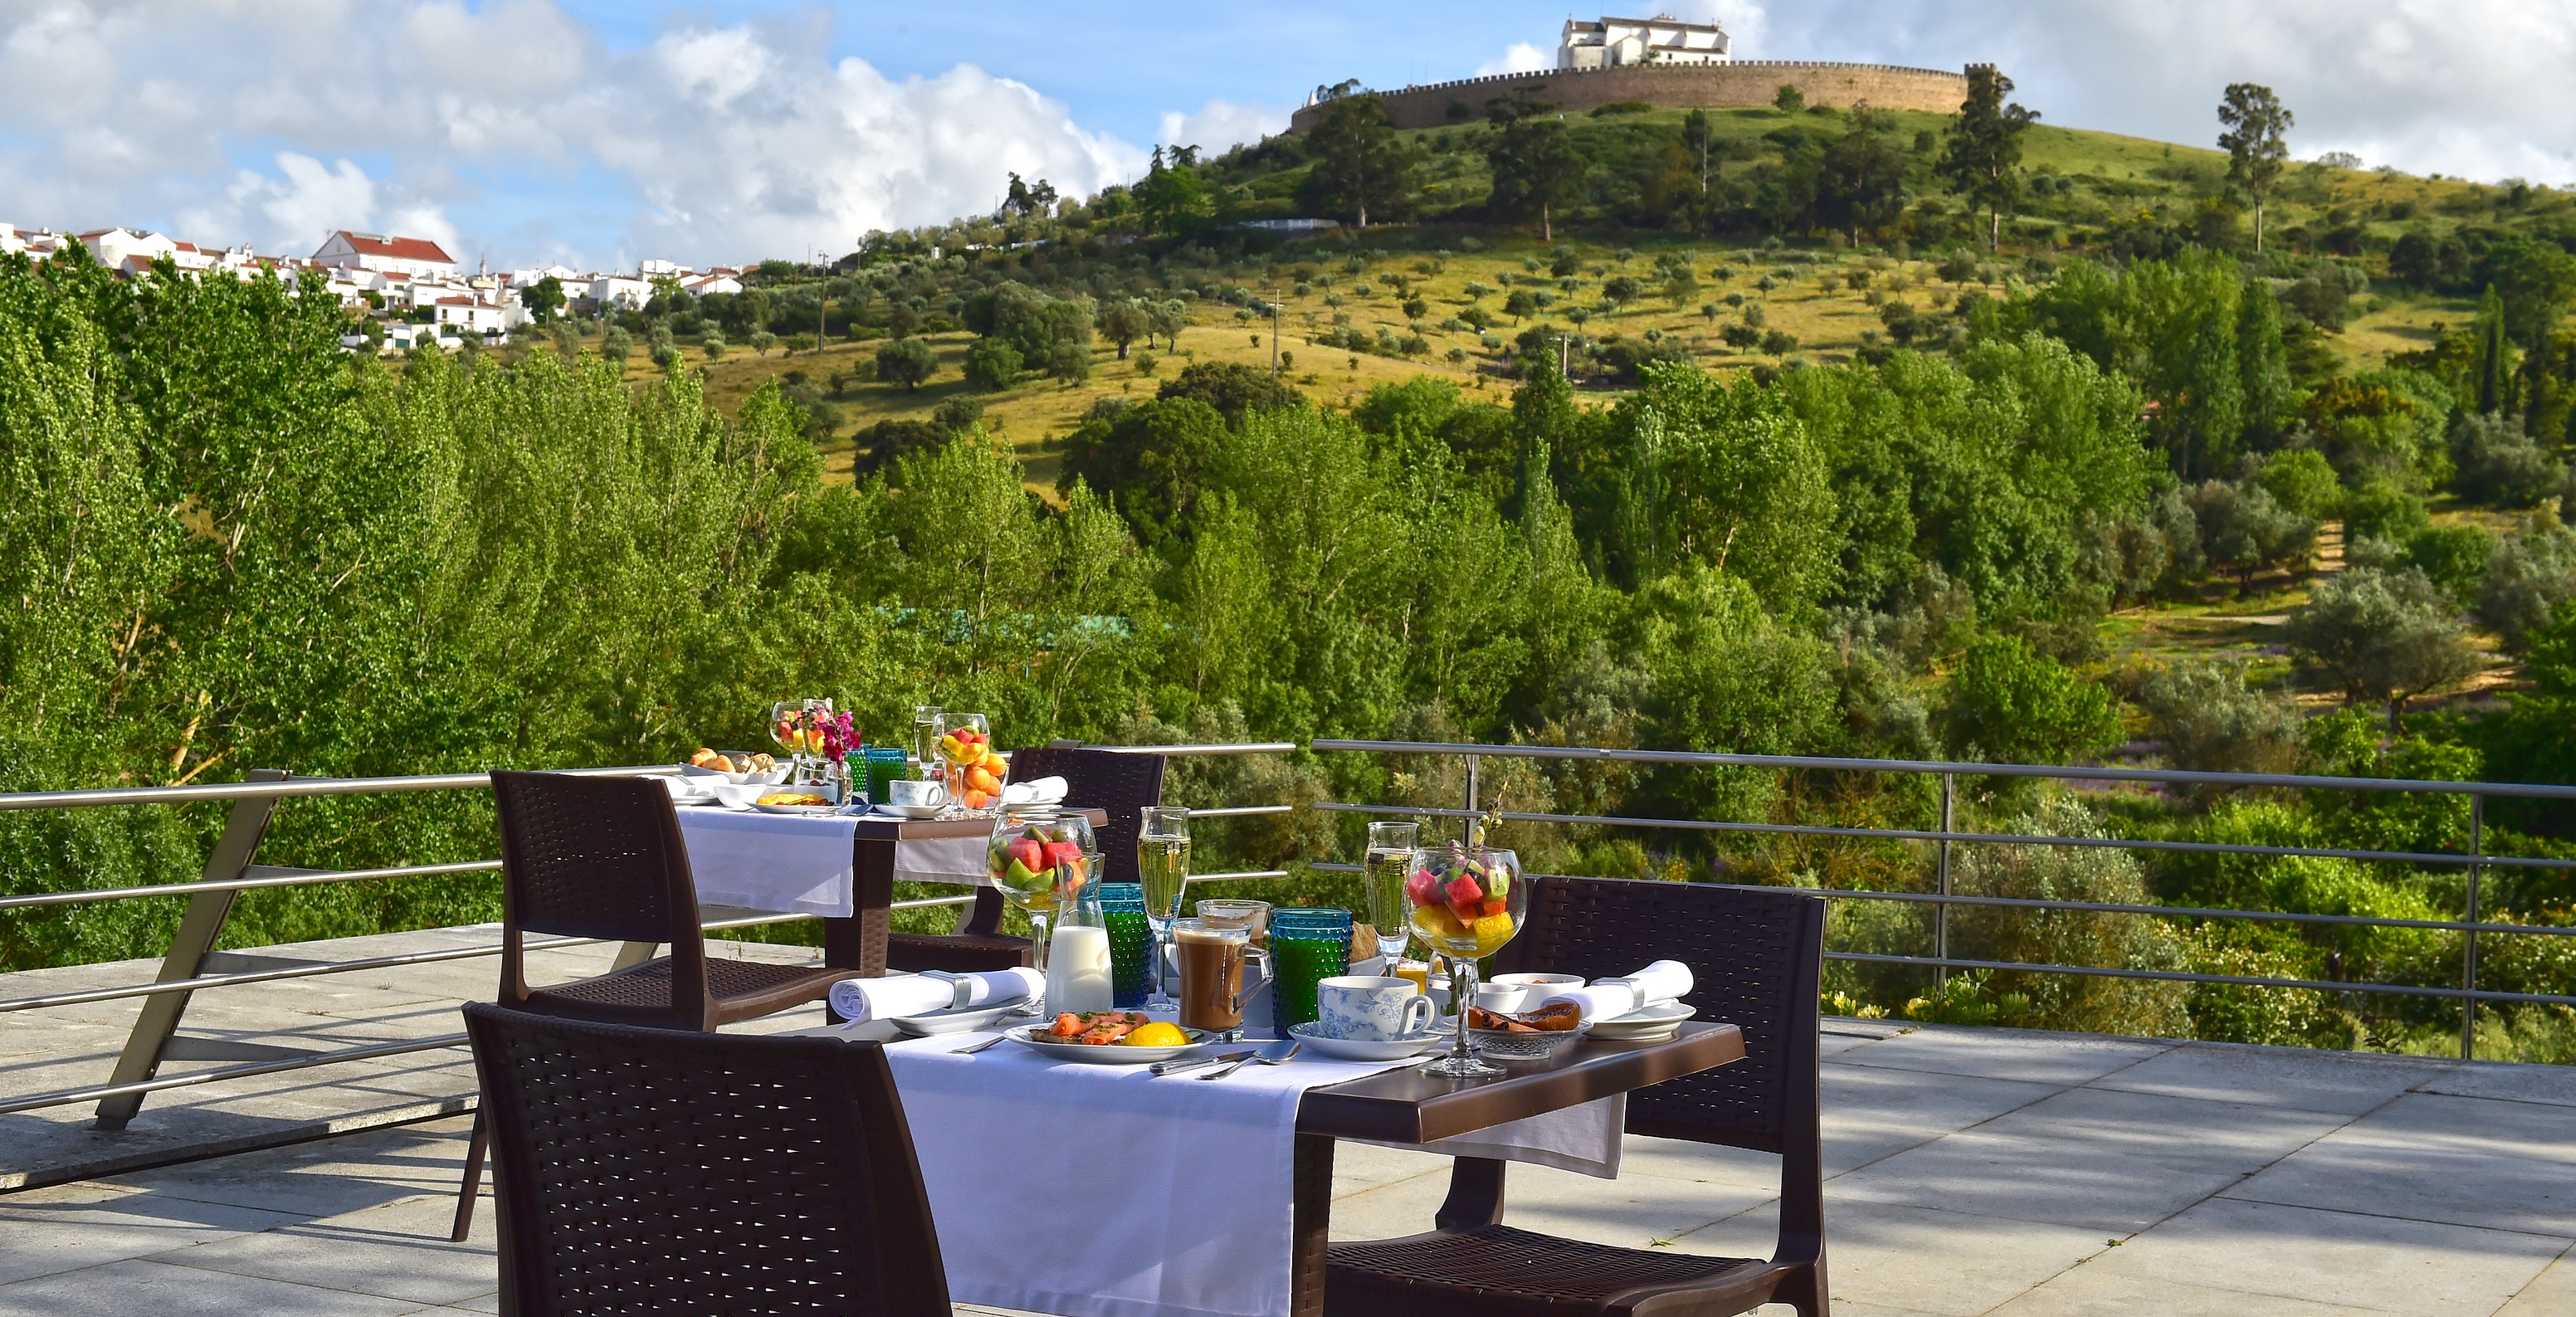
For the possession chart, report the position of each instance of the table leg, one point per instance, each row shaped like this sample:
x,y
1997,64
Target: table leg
x,y
1475,1194
1309,1223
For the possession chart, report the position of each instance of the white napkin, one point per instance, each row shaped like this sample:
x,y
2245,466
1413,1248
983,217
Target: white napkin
x,y
1657,984
862,1000
1039,791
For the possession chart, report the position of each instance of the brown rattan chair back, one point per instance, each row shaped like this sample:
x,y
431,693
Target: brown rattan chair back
x,y
1755,955
1122,784
647,1170
598,857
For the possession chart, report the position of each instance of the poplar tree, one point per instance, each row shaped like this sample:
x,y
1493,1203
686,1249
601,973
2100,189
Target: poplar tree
x,y
1534,166
1983,159
2255,120
1358,162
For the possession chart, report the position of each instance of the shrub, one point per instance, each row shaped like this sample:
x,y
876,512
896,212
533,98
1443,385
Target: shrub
x,y
2079,1003
2209,720
992,365
2526,579
2497,463
906,361
2009,704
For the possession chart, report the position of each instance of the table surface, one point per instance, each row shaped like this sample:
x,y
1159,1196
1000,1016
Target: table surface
x,y
1405,1105
877,827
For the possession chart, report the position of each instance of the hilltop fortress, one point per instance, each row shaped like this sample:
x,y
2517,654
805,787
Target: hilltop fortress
x,y
1657,61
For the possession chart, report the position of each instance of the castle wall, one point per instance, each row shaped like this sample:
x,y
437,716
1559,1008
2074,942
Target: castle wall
x,y
1739,85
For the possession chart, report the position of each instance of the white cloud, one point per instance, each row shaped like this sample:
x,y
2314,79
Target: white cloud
x,y
723,142
1220,124
1521,58
2470,87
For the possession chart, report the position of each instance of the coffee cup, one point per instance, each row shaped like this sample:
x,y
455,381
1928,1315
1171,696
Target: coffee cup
x,y
1371,1010
916,793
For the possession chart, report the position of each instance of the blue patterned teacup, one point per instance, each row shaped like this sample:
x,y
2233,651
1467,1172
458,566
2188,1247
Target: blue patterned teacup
x,y
1371,1010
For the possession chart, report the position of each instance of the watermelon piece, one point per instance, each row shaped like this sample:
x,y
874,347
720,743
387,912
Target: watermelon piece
x,y
1028,854
1463,891
1057,852
1421,888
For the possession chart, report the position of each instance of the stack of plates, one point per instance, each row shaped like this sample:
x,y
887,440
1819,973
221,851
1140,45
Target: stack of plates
x,y
1651,1024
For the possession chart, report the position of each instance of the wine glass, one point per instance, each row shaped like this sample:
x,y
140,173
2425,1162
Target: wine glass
x,y
925,731
1035,852
1163,865
963,743
1466,901
1389,859
785,724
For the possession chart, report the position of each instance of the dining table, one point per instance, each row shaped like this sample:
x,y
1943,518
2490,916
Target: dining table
x,y
1095,1159
838,868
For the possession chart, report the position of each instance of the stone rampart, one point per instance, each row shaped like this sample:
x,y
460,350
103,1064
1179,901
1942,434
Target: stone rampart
x,y
1740,85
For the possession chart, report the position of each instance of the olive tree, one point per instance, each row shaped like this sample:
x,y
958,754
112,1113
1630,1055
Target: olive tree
x,y
2381,637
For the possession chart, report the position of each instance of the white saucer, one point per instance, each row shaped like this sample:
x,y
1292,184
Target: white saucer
x,y
910,811
1354,1049
931,1023
1646,1025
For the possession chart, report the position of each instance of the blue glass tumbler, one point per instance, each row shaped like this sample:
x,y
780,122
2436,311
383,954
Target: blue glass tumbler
x,y
1307,946
1131,944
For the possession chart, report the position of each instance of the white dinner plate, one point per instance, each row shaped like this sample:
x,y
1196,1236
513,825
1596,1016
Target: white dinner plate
x,y
1645,1025
930,1023
1029,1036
811,811
1354,1049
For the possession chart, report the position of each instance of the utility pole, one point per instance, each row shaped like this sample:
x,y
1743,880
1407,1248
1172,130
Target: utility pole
x,y
1274,338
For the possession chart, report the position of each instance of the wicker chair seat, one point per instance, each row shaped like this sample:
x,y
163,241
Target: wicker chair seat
x,y
741,989
1495,1270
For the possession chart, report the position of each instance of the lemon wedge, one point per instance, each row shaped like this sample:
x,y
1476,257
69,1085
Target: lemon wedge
x,y
1157,1034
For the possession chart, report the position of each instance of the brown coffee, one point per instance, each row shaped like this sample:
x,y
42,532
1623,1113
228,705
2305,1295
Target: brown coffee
x,y
1211,994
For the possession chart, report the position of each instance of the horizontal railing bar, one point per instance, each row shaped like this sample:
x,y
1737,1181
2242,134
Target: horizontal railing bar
x,y
2192,912
376,962
1218,748
2534,790
288,786
2178,976
1988,838
931,901
231,1072
1241,811
301,878
1237,876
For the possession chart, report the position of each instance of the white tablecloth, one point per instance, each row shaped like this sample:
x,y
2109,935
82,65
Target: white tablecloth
x,y
790,863
1102,1191
801,864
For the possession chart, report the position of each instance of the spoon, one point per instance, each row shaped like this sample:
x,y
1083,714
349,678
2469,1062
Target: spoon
x,y
1269,1054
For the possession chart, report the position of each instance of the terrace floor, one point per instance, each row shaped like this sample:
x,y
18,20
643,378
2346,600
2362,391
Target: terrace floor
x,y
1972,1171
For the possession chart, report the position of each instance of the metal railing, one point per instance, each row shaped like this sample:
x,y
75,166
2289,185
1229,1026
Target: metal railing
x,y
1217,812
2474,861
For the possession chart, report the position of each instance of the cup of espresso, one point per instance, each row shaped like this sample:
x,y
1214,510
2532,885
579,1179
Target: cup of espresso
x,y
1211,960
1369,1009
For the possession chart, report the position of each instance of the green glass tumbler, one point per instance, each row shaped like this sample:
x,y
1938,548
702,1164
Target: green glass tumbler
x,y
1307,946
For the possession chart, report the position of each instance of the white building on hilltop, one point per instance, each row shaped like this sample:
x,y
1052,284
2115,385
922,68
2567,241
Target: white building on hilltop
x,y
1663,39
418,257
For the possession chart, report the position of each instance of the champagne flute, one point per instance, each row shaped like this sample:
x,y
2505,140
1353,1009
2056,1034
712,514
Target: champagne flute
x,y
1163,864
1390,853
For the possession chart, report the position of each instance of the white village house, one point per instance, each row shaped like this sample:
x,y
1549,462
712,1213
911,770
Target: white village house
x,y
1617,42
418,257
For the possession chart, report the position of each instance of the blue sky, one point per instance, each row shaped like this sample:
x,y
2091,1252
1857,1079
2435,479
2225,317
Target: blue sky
x,y
527,131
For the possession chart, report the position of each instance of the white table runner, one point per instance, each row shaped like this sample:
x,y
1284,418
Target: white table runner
x,y
1101,1191
802,864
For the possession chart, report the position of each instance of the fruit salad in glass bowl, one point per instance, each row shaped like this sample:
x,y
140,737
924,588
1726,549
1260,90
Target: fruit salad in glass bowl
x,y
1465,902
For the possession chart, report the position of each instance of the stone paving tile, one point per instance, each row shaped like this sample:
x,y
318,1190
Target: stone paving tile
x,y
323,1178
124,1289
2358,1170
2228,1137
2335,1258
1917,1259
48,1231
2039,1058
2553,1084
2338,1082
2492,1126
398,1251
2059,1181
2552,1294
2085,1292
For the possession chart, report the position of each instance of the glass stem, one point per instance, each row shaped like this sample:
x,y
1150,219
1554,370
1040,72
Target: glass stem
x,y
1462,995
1037,942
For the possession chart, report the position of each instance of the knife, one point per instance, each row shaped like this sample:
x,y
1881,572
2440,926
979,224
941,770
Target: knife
x,y
1192,1063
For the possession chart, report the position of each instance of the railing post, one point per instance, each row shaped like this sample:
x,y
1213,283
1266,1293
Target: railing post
x,y
2469,936
198,929
1475,820
1941,909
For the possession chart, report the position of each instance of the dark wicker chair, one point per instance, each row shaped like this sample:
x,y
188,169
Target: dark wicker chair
x,y
644,1170
1122,784
602,857
1756,955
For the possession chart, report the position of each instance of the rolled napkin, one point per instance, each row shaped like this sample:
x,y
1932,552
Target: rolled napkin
x,y
862,1000
1038,791
1657,984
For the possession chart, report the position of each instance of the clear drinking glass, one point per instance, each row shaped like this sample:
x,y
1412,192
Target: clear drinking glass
x,y
1036,852
963,743
1466,901
1390,858
925,734
1163,866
